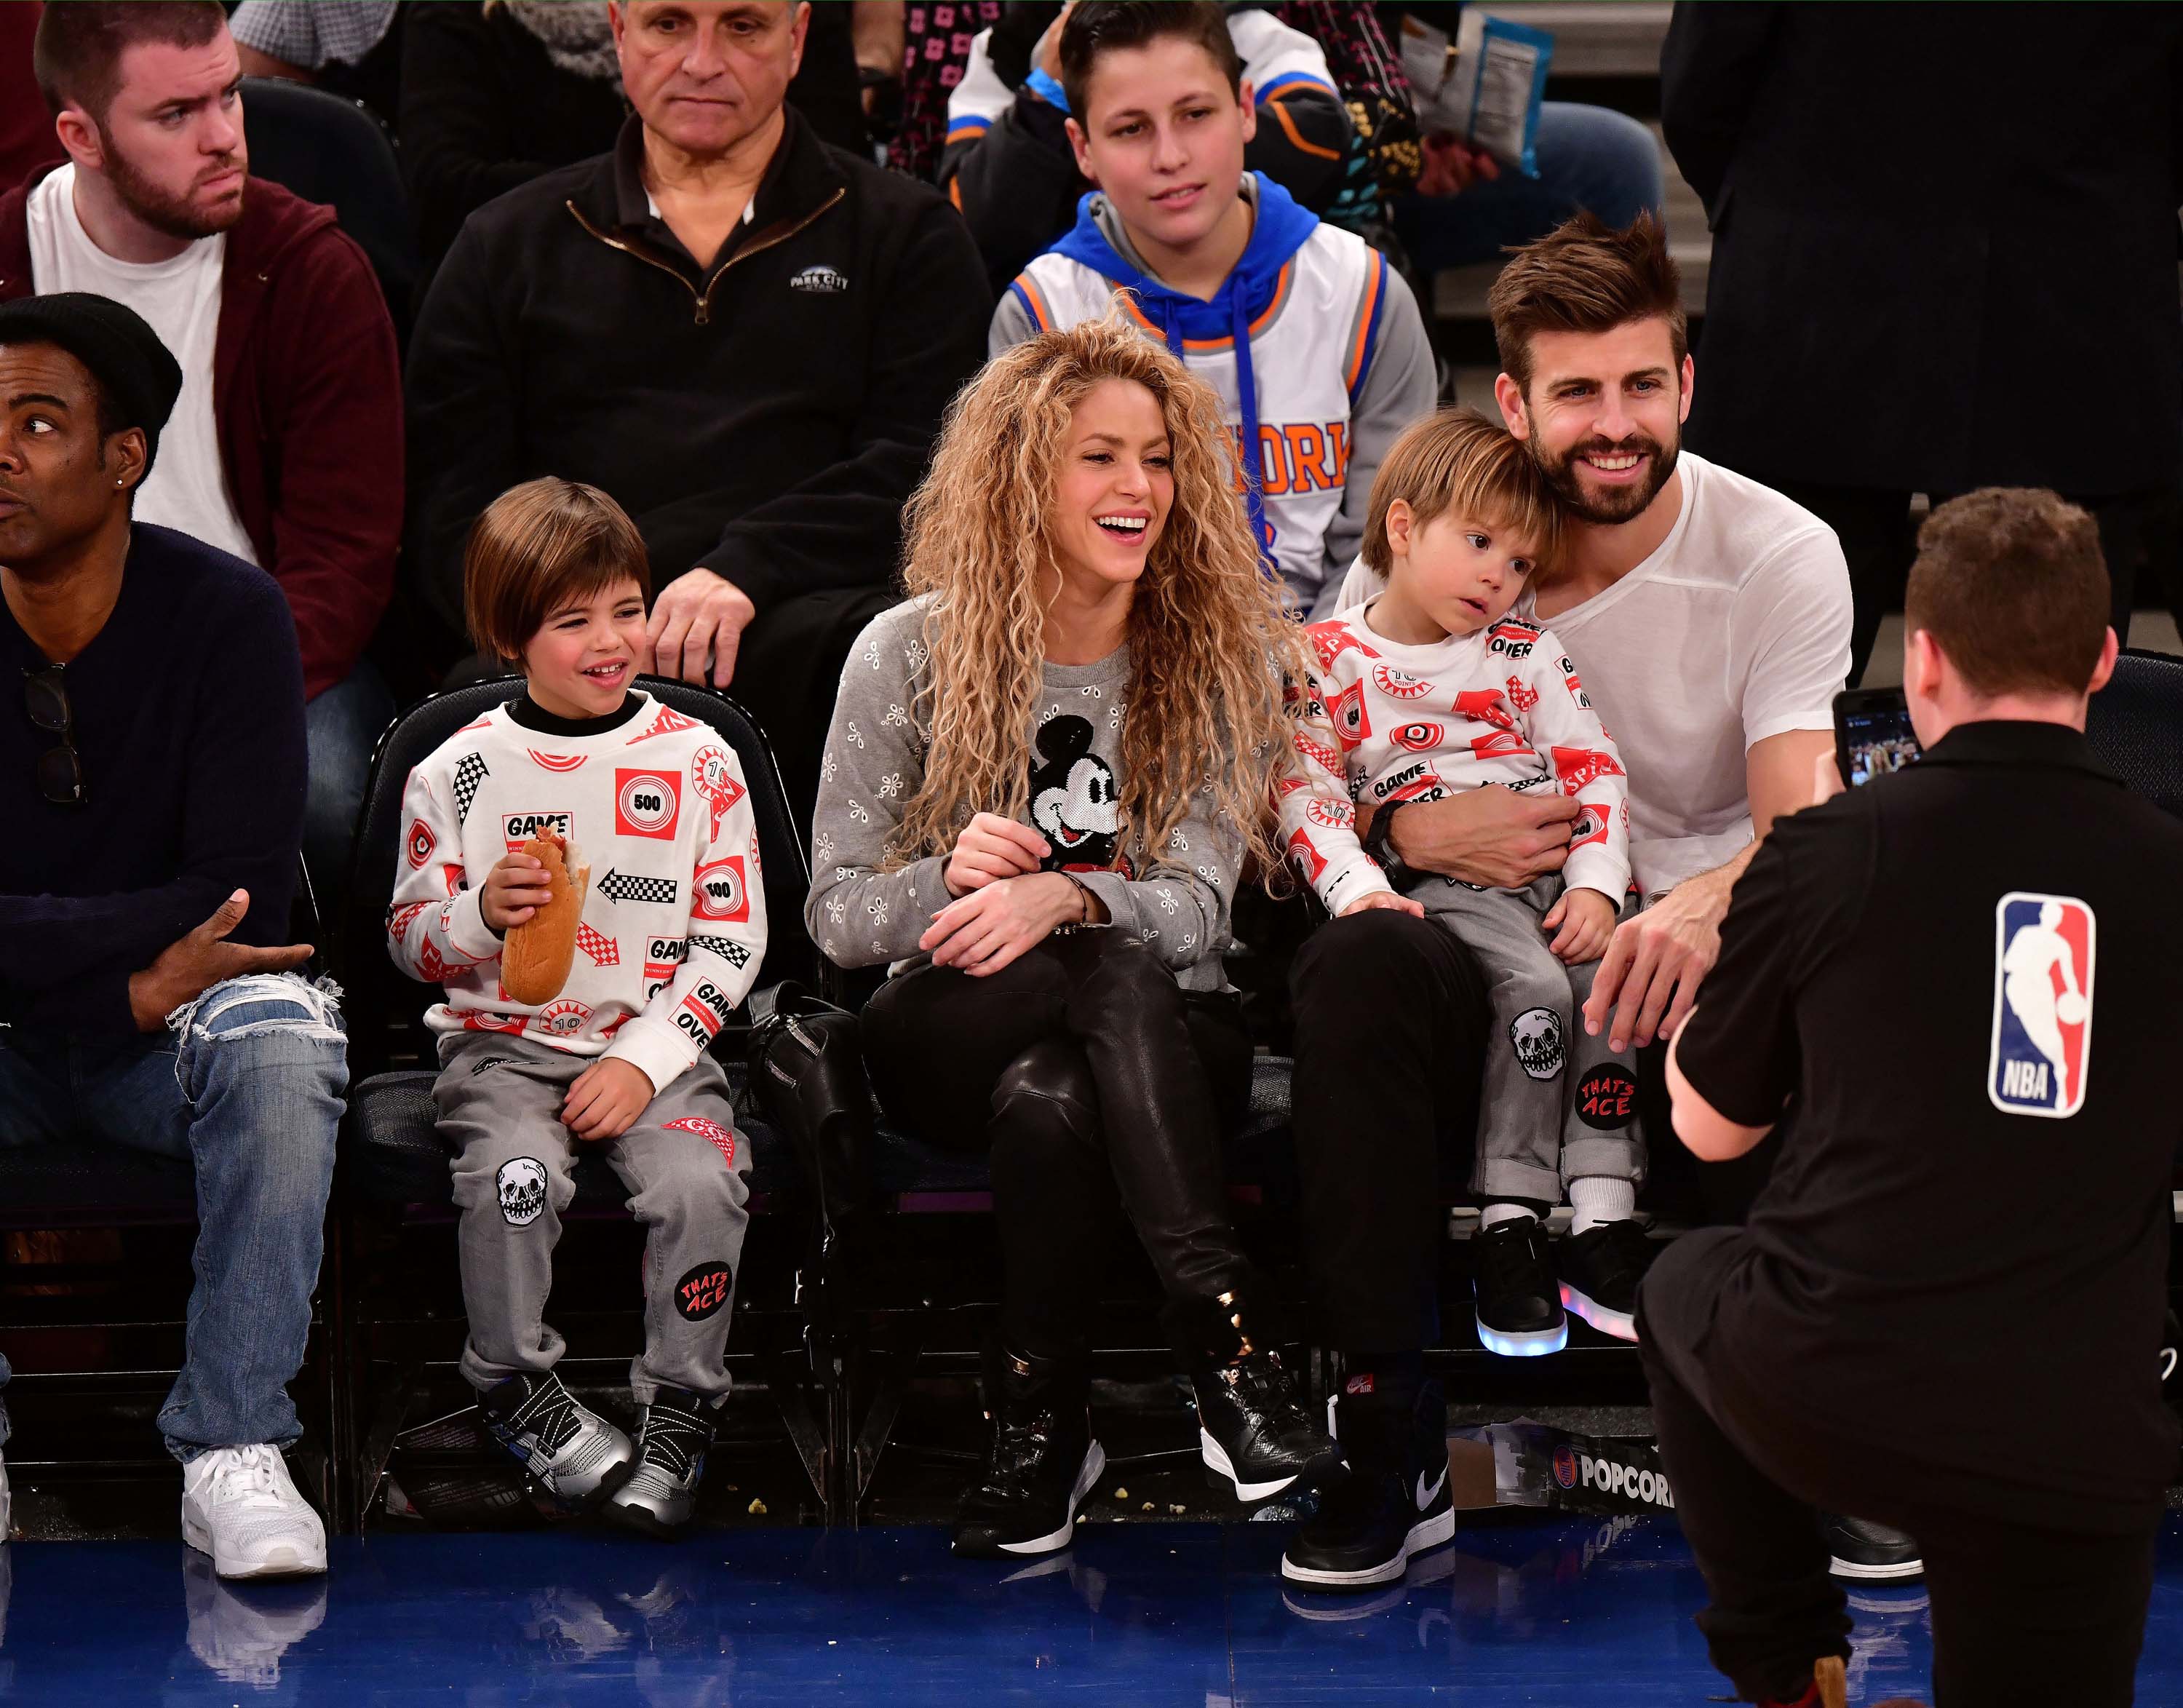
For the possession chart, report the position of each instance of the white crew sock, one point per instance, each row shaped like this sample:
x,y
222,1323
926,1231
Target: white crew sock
x,y
1496,1213
1597,1199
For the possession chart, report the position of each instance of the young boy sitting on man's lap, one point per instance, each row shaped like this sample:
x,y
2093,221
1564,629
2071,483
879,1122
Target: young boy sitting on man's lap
x,y
1433,688
670,935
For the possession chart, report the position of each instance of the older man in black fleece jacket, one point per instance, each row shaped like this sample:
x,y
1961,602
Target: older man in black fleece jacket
x,y
745,336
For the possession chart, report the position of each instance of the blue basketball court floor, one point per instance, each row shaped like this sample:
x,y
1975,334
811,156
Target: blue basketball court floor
x,y
1521,1609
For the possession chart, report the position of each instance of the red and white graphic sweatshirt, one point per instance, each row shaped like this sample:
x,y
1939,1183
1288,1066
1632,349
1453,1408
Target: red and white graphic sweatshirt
x,y
673,926
1504,705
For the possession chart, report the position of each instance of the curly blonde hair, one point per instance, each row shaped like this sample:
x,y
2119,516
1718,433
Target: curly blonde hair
x,y
1210,643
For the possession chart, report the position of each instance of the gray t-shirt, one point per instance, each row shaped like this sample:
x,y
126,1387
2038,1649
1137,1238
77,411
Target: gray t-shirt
x,y
1177,900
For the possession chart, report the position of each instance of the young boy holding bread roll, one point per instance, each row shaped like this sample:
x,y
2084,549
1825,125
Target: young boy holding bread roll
x,y
580,871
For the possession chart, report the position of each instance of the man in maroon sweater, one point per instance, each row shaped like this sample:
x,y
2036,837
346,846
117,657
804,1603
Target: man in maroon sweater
x,y
286,447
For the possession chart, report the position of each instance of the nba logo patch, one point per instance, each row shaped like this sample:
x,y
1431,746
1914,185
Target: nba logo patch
x,y
2043,1004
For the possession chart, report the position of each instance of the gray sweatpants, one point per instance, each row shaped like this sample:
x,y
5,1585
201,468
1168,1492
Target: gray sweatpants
x,y
686,1170
1556,1105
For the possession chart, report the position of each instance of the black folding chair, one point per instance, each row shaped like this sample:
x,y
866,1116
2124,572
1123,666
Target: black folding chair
x,y
394,1176
337,151
2136,726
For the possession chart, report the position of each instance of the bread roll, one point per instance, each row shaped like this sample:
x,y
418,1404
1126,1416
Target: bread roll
x,y
535,965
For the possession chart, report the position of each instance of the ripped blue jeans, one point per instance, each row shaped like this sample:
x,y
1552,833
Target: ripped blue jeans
x,y
246,1084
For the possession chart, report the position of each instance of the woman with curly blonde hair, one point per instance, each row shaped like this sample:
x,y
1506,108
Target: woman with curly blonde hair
x,y
1047,774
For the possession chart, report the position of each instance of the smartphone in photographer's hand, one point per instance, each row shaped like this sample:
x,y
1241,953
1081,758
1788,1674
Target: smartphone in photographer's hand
x,y
1873,734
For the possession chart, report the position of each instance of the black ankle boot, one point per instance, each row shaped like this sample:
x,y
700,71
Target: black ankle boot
x,y
1040,1465
1254,1431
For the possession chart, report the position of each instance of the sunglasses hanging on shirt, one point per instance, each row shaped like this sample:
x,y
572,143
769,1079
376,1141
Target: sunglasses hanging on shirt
x,y
60,769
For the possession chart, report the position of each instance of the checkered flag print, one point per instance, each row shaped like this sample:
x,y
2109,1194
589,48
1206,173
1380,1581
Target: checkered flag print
x,y
469,773
598,946
732,953
616,887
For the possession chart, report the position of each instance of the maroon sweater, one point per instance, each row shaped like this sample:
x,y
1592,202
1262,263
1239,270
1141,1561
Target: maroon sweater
x,y
306,393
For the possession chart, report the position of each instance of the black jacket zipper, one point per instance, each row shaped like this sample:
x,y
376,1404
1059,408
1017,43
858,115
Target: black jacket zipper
x,y
704,299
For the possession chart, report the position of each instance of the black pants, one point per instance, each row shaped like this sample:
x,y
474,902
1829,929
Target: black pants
x,y
1101,1090
1389,1011
2023,1616
1877,539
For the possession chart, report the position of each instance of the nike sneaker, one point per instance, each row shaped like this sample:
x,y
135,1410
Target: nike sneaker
x,y
659,1495
1254,1432
576,1454
1519,1307
1393,1504
1600,1269
1041,1463
1867,1553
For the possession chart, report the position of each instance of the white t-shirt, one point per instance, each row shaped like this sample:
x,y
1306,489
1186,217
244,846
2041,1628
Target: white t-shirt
x,y
1735,629
179,300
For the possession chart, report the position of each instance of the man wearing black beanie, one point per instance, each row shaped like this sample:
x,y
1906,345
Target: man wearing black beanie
x,y
152,774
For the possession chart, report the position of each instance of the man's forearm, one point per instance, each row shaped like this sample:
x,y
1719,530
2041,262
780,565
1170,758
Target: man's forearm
x,y
1710,890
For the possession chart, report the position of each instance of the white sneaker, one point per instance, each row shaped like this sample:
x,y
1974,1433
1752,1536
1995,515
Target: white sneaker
x,y
239,1506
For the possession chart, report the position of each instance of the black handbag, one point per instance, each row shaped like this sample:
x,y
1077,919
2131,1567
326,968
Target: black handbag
x,y
807,1072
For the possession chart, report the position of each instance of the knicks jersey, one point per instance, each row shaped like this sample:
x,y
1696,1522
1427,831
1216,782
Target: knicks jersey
x,y
1310,350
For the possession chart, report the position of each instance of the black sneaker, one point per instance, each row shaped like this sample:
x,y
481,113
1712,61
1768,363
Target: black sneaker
x,y
576,1454
660,1494
1512,1277
1040,1464
1869,1553
1255,1434
1601,1268
1394,1502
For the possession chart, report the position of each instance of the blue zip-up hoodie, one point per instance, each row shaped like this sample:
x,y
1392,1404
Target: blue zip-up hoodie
x,y
1281,228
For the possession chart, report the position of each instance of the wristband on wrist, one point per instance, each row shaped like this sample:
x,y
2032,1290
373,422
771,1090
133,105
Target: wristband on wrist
x,y
1086,917
1047,89
1378,841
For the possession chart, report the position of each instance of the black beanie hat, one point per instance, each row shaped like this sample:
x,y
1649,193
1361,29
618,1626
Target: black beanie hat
x,y
140,378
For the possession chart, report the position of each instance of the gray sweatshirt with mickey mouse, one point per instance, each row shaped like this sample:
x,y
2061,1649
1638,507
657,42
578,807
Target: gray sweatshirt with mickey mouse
x,y
1177,901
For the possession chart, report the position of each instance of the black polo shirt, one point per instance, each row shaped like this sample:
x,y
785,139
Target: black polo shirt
x,y
1968,974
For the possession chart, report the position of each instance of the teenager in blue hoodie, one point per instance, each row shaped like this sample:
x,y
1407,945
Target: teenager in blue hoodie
x,y
1314,343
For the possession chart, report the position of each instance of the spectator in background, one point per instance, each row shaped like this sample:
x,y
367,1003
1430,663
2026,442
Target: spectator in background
x,y
1991,251
493,96
1009,165
26,129
744,336
937,42
285,448
352,48
154,798
1313,342
1467,208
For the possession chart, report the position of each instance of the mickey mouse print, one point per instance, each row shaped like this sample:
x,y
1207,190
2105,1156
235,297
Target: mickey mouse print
x,y
1074,801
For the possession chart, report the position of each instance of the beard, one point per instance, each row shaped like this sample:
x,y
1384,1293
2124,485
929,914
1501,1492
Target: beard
x,y
159,208
1616,503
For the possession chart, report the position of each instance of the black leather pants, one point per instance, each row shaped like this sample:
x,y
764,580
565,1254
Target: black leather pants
x,y
1099,1087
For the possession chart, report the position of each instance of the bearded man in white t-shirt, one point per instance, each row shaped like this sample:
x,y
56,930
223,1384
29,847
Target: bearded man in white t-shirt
x,y
1709,619
1708,615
